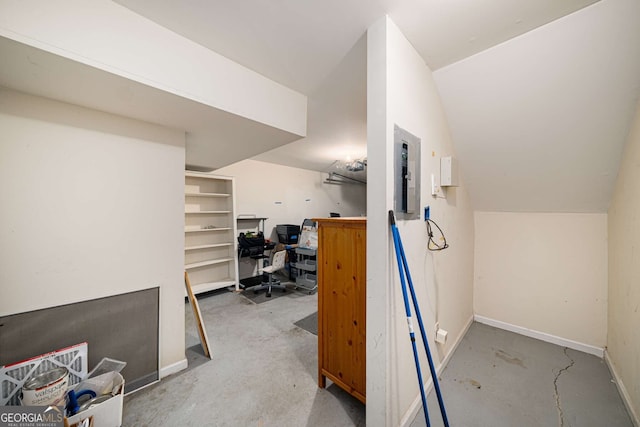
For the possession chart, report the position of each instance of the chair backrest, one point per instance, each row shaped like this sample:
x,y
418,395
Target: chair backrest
x,y
278,260
308,223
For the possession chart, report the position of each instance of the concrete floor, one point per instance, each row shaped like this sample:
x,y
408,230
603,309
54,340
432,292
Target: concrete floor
x,y
501,379
264,373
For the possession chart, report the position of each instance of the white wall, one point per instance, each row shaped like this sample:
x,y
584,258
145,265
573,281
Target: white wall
x,y
92,206
288,195
401,91
546,272
623,341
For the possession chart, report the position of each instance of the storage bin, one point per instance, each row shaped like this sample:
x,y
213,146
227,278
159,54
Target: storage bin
x,y
288,233
307,265
307,281
105,414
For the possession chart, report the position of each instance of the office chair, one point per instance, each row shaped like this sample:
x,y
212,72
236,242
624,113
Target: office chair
x,y
277,263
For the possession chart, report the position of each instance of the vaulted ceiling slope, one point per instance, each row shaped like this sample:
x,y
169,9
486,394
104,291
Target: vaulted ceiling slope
x,y
539,93
540,122
299,43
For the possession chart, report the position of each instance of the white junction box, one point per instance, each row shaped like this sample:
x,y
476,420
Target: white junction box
x,y
441,336
449,172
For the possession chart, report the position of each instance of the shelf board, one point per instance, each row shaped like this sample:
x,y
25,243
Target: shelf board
x,y
211,286
205,263
202,230
206,175
190,194
207,212
217,245
306,251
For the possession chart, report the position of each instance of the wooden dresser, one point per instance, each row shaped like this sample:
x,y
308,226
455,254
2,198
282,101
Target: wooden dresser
x,y
341,262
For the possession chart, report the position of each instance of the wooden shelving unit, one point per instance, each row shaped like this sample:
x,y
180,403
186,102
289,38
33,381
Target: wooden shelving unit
x,y
210,232
342,256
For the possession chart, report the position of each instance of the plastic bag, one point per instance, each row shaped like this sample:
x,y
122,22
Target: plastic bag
x,y
308,237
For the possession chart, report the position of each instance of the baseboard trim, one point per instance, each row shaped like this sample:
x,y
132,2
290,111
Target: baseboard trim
x,y
411,413
163,373
585,348
129,393
622,389
173,368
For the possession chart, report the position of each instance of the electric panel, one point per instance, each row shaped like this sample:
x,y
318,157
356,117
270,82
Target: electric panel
x,y
406,149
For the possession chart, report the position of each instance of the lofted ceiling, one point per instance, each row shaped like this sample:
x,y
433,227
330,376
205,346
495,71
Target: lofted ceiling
x,y
299,43
319,49
539,94
540,122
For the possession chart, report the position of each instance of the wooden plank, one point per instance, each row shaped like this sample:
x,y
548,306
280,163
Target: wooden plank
x,y
204,340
